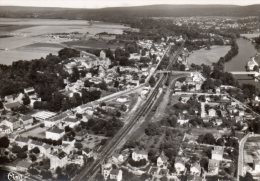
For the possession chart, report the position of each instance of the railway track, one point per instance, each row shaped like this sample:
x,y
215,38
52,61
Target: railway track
x,y
88,173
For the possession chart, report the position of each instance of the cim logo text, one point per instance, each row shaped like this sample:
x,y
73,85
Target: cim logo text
x,y
12,176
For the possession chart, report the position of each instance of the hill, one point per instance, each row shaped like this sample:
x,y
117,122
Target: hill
x,y
117,13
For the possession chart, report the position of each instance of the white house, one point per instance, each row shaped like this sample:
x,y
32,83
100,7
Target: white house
x,y
212,112
213,167
13,123
55,133
116,174
5,129
71,122
256,164
58,159
138,155
179,165
106,169
217,153
195,169
162,161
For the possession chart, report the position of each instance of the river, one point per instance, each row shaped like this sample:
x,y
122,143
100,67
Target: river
x,y
238,63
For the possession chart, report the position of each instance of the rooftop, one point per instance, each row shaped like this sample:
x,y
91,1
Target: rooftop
x,y
44,115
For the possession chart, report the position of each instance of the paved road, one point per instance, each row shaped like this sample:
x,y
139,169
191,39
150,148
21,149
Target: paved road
x,y
89,172
240,163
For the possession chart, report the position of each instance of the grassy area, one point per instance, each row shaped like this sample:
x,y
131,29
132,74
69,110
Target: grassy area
x,y
91,43
9,28
207,57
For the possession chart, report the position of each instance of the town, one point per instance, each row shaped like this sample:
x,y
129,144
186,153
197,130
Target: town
x,y
164,105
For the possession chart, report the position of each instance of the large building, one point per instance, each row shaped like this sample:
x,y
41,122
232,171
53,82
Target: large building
x,y
55,133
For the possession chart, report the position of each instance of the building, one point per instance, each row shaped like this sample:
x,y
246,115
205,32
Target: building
x,y
43,115
71,122
256,165
162,161
179,165
138,155
212,113
195,169
5,129
217,153
13,123
12,106
213,167
21,141
26,120
116,174
55,133
58,159
106,169
55,120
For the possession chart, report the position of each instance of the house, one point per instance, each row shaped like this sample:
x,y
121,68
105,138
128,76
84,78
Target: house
x,y
118,158
5,129
55,133
26,120
195,169
21,141
71,122
12,106
212,112
162,161
179,165
217,153
213,167
13,123
106,169
55,120
58,159
256,165
116,174
138,155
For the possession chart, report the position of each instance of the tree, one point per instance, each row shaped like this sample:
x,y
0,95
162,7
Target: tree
x,y
75,75
46,174
247,177
36,150
33,158
78,145
16,149
26,100
4,142
182,67
22,155
33,171
152,129
152,81
208,138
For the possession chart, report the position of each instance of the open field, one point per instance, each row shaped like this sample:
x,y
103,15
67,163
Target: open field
x,y
28,36
208,57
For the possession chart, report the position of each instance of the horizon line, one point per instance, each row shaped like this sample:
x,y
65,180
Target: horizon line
x,y
129,6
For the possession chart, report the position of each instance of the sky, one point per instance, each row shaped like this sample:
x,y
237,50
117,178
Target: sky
x,y
115,3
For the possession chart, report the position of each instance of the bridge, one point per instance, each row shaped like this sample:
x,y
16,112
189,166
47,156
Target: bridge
x,y
173,72
245,73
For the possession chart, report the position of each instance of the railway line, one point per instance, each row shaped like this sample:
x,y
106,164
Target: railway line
x,y
88,173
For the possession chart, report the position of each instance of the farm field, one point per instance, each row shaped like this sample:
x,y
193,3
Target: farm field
x,y
208,57
27,37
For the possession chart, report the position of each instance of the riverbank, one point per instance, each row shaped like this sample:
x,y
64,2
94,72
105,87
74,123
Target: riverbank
x,y
239,62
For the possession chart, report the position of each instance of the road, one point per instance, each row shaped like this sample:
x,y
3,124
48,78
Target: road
x,y
240,163
89,172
